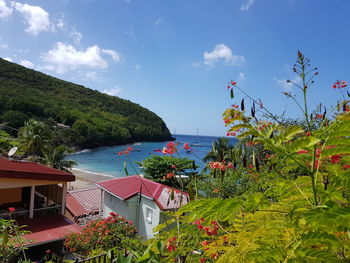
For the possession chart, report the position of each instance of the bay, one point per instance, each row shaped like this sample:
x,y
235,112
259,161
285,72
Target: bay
x,y
106,160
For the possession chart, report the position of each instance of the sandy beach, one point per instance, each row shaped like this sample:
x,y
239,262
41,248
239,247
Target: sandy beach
x,y
85,179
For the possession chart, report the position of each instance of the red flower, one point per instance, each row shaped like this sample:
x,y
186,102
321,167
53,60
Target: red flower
x,y
48,251
129,149
346,166
202,260
267,156
214,255
335,158
205,243
230,166
170,148
317,164
171,248
11,209
233,83
250,166
169,175
171,244
302,151
318,116
112,214
187,146
250,143
308,133
173,166
339,84
235,106
216,190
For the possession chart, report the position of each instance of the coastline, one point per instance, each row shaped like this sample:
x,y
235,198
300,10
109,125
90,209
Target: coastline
x,y
86,179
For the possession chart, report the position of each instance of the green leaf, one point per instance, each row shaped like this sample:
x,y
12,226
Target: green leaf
x,y
231,94
125,169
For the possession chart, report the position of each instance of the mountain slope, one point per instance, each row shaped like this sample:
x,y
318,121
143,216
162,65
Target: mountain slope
x,y
96,119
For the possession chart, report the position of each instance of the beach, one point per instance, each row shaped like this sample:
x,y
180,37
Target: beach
x,y
84,179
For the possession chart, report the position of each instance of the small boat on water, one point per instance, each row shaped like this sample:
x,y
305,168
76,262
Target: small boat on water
x,y
196,144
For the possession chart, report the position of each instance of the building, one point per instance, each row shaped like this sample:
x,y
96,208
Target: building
x,y
84,205
37,194
141,201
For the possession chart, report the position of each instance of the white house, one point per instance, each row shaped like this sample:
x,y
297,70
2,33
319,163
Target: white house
x,y
141,201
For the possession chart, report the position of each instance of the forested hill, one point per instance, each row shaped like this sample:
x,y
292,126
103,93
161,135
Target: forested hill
x,y
95,119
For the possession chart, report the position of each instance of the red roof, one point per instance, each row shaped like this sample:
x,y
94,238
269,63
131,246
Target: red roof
x,y
127,187
84,201
32,171
47,229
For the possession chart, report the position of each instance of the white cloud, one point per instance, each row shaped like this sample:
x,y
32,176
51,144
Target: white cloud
x,y
114,55
5,11
3,46
26,63
8,59
113,92
246,6
158,21
287,86
241,76
77,36
61,24
222,52
93,75
36,18
64,57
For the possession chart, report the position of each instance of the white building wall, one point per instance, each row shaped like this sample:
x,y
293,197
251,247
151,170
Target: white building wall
x,y
114,204
146,225
135,209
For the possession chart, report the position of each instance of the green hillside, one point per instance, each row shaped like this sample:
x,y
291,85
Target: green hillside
x,y
96,119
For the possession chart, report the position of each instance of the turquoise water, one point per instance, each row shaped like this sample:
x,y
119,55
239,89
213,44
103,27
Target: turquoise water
x,y
107,161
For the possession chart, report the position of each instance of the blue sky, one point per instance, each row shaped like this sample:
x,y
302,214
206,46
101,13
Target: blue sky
x,y
176,57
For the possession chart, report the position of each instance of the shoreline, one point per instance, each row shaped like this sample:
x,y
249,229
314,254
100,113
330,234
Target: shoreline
x,y
86,179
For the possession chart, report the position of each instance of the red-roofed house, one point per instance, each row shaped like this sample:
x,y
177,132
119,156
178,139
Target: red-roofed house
x,y
141,201
84,205
35,192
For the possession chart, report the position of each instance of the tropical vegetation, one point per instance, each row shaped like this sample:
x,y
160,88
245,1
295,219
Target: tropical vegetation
x,y
281,194
92,118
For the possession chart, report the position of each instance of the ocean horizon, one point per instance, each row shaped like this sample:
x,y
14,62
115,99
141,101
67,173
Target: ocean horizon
x,y
106,161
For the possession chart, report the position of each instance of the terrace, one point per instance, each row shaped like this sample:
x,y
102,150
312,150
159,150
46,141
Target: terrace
x,y
36,193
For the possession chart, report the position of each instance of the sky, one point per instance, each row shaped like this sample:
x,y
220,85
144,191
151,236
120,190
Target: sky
x,y
176,57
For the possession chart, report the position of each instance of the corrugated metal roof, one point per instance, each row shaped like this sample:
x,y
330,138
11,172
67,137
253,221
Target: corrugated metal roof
x,y
32,171
127,187
84,201
47,229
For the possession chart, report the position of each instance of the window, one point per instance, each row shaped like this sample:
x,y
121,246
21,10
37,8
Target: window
x,y
148,215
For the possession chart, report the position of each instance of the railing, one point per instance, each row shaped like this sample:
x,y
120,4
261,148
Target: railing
x,y
39,212
102,258
46,211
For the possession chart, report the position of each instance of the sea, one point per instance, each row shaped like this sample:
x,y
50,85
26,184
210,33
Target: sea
x,y
105,160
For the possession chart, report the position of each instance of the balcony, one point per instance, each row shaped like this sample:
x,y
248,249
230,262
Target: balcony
x,y
21,214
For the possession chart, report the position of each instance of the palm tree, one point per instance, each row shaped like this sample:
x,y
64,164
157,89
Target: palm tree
x,y
56,158
220,152
35,138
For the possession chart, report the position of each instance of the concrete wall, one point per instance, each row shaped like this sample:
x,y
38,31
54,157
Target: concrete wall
x,y
145,226
114,204
135,209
